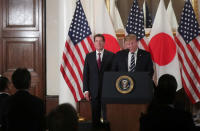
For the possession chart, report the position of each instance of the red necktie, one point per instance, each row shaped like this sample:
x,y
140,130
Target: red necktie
x,y
99,61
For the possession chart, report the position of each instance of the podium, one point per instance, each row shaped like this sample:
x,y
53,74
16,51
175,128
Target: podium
x,y
124,109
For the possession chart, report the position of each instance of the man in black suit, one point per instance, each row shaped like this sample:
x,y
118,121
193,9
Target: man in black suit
x,y
132,58
4,84
96,63
22,111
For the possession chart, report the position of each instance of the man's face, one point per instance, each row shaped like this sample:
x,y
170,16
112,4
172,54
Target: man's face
x,y
99,43
132,45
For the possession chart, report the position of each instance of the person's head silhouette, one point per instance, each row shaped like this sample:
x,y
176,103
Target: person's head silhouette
x,y
166,89
4,83
21,78
63,118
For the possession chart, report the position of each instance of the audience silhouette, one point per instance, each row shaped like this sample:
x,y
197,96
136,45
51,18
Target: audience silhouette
x,y
23,111
4,84
161,114
62,118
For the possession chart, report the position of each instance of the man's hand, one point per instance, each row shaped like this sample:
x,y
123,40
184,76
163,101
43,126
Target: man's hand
x,y
87,96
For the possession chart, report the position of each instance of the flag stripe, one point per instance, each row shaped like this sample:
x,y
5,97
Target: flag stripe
x,y
194,56
84,47
88,45
195,48
190,90
191,80
91,43
74,58
188,60
196,43
83,54
74,75
187,91
68,82
80,54
183,47
68,61
183,55
144,44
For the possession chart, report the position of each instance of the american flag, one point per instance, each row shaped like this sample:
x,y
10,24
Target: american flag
x,y
188,41
77,45
135,25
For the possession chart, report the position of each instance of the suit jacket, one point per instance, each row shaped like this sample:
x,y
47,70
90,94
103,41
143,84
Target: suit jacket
x,y
3,96
143,63
23,112
92,76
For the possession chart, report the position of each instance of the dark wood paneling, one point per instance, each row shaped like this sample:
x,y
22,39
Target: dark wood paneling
x,y
84,110
124,117
26,50
20,14
22,41
51,103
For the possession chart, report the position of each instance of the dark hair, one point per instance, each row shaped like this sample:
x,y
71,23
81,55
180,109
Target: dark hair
x,y
99,35
3,83
166,89
21,78
63,118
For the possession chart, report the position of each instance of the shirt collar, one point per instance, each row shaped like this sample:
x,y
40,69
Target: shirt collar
x,y
4,93
102,51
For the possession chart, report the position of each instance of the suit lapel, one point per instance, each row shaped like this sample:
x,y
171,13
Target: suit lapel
x,y
94,59
126,59
104,59
139,55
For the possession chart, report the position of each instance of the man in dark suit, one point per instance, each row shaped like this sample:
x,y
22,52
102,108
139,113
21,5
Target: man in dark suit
x,y
22,111
4,84
132,58
96,63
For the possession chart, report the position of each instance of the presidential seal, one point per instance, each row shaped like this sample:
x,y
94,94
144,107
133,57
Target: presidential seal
x,y
124,84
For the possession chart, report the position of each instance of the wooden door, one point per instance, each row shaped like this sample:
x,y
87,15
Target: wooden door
x,y
22,40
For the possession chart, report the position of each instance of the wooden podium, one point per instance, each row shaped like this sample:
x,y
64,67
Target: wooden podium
x,y
124,117
124,110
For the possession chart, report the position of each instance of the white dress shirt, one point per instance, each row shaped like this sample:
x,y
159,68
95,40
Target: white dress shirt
x,y
97,54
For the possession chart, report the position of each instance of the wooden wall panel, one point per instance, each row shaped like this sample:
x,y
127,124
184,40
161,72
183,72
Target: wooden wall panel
x,y
22,41
20,14
26,51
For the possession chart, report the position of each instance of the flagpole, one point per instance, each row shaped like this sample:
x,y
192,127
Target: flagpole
x,y
195,7
108,5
